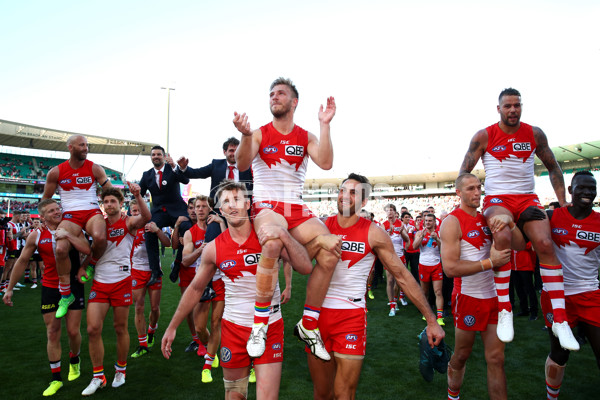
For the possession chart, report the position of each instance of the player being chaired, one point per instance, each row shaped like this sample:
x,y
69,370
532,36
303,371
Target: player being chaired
x,y
278,153
76,180
507,150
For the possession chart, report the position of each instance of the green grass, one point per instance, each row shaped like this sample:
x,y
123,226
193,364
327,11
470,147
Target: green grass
x,y
390,369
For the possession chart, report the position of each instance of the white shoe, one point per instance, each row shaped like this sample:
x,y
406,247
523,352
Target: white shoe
x,y
312,339
19,285
392,312
505,330
256,342
119,379
94,385
563,332
403,302
16,288
33,286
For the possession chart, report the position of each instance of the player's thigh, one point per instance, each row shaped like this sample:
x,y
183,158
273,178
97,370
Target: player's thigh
x,y
217,311
268,379
493,347
538,231
347,375
96,226
593,334
269,217
73,318
322,374
496,210
463,343
308,230
95,314
139,296
201,314
154,295
71,227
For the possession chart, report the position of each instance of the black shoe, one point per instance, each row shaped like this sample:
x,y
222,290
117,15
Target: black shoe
x,y
425,357
174,275
154,278
192,347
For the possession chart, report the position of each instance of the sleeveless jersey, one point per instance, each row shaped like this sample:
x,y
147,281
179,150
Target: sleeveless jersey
x,y
46,245
576,244
475,244
139,255
347,287
395,235
13,244
508,161
115,263
238,263
197,238
411,229
77,187
279,168
430,255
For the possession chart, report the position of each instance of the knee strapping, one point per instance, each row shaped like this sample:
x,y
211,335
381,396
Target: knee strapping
x,y
455,377
239,386
554,372
267,276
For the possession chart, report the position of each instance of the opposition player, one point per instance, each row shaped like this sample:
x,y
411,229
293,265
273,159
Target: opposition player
x,y
236,253
398,234
112,285
430,267
468,256
43,240
140,275
278,153
343,316
508,149
576,236
77,180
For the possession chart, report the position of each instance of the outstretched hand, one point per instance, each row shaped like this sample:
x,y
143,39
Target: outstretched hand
x,y
325,116
241,123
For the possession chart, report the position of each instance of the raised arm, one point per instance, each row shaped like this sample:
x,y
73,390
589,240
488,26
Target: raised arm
x,y
321,150
475,152
249,143
51,183
139,221
555,173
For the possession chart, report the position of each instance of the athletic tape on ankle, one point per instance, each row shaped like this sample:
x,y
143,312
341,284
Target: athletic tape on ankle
x,y
455,377
239,386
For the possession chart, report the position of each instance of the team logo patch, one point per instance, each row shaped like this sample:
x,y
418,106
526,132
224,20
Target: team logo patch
x,y
560,231
486,230
276,346
227,264
251,259
473,234
469,320
498,148
92,295
133,283
83,180
351,337
65,182
292,150
270,150
353,247
521,146
45,241
589,236
116,232
264,205
550,318
495,200
225,354
67,216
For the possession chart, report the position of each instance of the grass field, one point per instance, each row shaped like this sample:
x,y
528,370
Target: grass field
x,y
390,370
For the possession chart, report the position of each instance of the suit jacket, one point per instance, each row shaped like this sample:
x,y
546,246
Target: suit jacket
x,y
217,171
168,198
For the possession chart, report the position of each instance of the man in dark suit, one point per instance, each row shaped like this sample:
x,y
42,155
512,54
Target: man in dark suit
x,y
167,204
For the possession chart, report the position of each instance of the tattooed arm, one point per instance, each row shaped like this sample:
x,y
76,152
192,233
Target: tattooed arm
x,y
555,173
476,149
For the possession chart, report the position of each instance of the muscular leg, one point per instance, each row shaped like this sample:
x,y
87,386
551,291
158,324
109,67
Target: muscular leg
x,y
439,298
200,314
139,297
323,375
53,329
120,321
346,377
190,317
390,288
494,358
231,375
215,326
74,330
63,262
96,312
268,379
154,306
96,227
463,347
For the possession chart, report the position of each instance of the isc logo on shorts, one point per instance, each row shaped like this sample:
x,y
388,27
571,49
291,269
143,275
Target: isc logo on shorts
x,y
495,200
276,346
473,234
84,180
92,295
251,259
64,182
270,150
560,231
351,337
469,320
225,354
116,232
353,247
589,236
292,150
498,148
227,264
522,146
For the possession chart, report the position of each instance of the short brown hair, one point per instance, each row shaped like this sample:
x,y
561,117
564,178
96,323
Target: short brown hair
x,y
45,203
287,82
229,185
113,191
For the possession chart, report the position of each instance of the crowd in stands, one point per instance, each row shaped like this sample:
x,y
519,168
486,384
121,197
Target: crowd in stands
x,y
19,205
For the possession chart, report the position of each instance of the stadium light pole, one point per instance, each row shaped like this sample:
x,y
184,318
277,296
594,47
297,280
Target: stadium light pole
x,y
168,89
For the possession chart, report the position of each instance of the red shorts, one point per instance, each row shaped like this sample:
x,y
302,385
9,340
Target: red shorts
x,y
429,273
343,331
116,294
140,278
186,275
580,307
294,214
219,288
471,314
515,203
233,345
80,217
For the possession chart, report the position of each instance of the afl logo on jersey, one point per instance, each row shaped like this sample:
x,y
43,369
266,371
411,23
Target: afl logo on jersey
x,y
84,180
270,150
227,264
498,148
560,231
469,320
251,259
225,354
198,243
351,337
65,182
292,150
495,200
276,346
473,234
522,146
43,241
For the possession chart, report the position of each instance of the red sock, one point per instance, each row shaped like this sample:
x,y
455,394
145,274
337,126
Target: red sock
x,y
553,283
310,318
502,280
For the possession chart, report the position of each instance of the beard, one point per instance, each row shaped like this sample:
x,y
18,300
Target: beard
x,y
281,112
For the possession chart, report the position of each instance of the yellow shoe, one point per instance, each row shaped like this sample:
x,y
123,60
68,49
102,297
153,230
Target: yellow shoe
x,y
215,363
371,296
74,371
206,376
252,378
441,321
53,388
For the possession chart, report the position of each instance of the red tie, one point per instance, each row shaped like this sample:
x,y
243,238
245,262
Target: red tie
x,y
160,179
230,175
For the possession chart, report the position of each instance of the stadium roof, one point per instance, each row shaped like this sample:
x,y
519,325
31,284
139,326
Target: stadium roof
x,y
15,134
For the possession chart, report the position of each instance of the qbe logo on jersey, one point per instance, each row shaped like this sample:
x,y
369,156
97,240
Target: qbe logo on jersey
x,y
292,150
353,247
522,146
82,180
251,259
116,232
589,236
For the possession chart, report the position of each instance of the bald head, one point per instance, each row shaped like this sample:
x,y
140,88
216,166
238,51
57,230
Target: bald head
x,y
78,147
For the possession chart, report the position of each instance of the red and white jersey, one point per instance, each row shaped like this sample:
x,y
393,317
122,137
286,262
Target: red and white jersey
x,y
77,187
347,286
430,255
508,161
411,229
576,243
115,263
475,244
139,255
46,245
395,235
279,168
238,263
13,244
198,239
